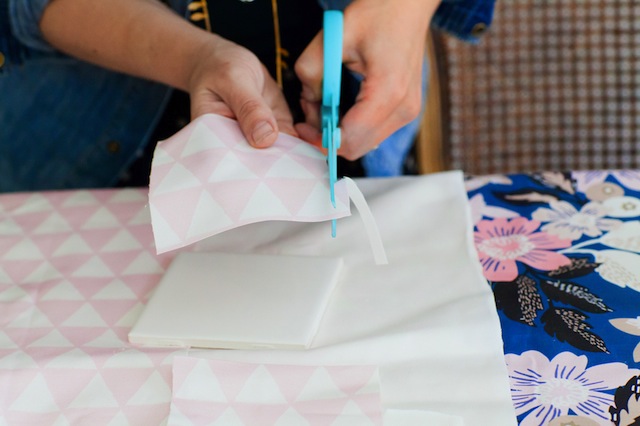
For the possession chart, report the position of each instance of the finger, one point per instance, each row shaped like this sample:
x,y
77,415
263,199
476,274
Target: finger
x,y
256,119
275,99
309,134
309,70
206,102
379,111
311,112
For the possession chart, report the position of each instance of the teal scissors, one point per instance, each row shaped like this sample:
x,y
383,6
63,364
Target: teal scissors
x,y
332,40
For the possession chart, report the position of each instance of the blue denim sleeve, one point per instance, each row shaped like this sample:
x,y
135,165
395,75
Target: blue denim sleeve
x,y
24,17
466,19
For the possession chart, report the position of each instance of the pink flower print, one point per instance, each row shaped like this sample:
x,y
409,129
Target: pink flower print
x,y
503,242
547,389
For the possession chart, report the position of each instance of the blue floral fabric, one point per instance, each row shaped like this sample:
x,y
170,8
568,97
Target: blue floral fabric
x,y
561,252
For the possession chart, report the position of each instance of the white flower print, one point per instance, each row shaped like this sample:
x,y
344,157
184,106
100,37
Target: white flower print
x,y
565,221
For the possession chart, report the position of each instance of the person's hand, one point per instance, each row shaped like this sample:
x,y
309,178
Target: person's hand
x,y
146,39
384,42
230,80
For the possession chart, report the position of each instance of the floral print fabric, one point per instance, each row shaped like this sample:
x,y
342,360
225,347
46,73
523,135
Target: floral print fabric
x,y
561,252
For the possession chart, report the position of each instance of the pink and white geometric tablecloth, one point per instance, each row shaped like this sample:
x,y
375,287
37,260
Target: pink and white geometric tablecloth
x,y
210,392
77,267
75,271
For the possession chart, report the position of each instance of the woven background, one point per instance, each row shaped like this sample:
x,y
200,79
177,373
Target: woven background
x,y
553,85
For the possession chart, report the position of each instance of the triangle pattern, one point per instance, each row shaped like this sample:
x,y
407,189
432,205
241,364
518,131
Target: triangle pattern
x,y
101,219
350,412
75,244
255,414
141,218
80,198
5,278
74,359
264,204
36,202
292,417
161,157
292,193
209,216
85,316
108,339
94,267
43,272
30,319
200,384
115,290
287,167
228,418
261,387
14,294
178,179
50,242
6,342
291,380
52,340
176,208
164,234
55,223
145,264
24,250
154,391
38,390
122,241
201,139
131,358
232,376
118,419
63,291
320,387
95,395
189,412
231,168
17,360
129,196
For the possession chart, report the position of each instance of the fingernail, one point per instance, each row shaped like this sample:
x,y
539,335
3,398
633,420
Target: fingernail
x,y
261,132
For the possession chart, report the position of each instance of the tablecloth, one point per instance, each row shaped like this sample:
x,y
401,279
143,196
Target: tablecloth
x,y
77,267
561,252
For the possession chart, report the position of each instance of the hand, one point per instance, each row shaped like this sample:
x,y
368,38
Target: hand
x,y
230,80
146,39
384,42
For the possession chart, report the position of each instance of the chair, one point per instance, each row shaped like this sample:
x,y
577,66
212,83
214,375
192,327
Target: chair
x,y
553,85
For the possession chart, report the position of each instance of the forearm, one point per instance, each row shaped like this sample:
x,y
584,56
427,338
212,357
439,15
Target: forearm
x,y
138,37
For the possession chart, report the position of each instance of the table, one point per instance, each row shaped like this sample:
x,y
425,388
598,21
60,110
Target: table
x,y
561,253
76,269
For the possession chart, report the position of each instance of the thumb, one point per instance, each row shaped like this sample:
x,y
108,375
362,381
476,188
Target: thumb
x,y
256,119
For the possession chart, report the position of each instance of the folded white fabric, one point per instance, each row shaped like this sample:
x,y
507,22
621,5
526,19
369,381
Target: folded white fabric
x,y
427,319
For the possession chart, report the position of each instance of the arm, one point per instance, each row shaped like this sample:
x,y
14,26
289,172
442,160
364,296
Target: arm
x,y
384,41
146,39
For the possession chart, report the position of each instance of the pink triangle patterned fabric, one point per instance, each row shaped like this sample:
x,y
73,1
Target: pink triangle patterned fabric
x,y
75,271
207,179
212,392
